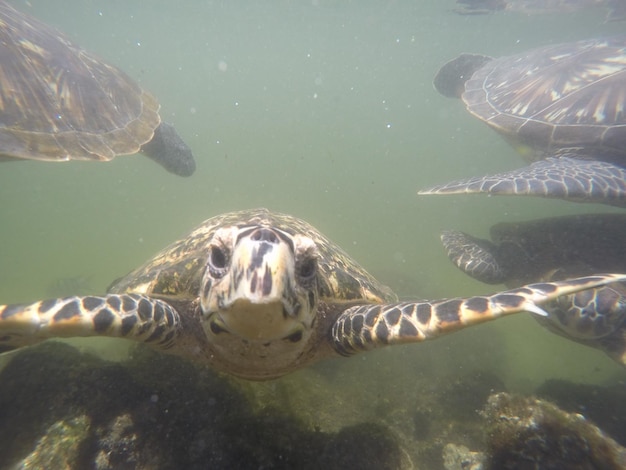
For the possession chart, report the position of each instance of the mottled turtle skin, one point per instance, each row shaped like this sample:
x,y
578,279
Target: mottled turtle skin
x,y
258,295
58,102
557,248
616,9
561,106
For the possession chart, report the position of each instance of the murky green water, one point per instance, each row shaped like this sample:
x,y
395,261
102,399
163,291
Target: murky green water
x,y
322,109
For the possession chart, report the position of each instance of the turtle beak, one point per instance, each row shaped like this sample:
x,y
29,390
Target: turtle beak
x,y
260,302
262,266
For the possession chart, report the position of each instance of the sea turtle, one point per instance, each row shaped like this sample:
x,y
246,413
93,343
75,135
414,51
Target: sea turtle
x,y
58,102
557,248
561,106
616,8
259,294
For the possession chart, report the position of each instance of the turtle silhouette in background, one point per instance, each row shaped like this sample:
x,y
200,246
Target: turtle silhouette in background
x,y
616,9
561,107
557,248
59,102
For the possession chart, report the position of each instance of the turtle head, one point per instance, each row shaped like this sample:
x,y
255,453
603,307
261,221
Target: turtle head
x,y
260,286
451,78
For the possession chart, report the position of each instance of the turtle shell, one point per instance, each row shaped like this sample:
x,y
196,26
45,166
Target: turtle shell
x,y
176,271
59,102
565,96
581,243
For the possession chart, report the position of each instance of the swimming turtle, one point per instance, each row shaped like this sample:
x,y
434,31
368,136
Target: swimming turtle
x,y
616,9
58,102
259,294
561,106
557,248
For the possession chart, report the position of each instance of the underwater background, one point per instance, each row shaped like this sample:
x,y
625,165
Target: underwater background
x,y
321,109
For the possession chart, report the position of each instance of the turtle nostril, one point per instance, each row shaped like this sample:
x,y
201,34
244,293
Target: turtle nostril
x,y
265,235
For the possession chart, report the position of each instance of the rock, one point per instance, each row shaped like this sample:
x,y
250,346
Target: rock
x,y
457,457
61,408
604,405
529,433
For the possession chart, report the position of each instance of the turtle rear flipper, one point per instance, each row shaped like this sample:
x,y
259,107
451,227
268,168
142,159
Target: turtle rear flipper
x,y
131,316
564,177
366,327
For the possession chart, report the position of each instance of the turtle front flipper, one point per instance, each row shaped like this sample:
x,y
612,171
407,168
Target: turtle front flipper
x,y
366,327
563,177
131,316
474,256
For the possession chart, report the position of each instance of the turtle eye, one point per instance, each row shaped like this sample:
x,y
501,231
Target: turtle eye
x,y
307,269
217,261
